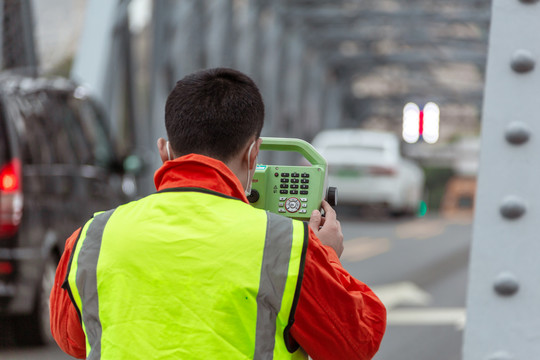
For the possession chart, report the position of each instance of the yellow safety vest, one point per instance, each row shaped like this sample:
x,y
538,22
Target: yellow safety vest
x,y
188,274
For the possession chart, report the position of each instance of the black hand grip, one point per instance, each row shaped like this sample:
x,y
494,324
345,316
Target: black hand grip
x,y
331,196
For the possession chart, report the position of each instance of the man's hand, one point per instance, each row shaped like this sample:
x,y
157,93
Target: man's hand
x,y
327,228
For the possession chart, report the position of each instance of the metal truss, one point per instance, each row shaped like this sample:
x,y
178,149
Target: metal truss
x,y
319,63
355,37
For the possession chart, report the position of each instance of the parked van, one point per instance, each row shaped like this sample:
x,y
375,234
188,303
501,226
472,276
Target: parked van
x,y
57,167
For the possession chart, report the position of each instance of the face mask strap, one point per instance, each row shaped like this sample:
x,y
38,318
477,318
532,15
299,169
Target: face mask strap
x,y
249,178
168,151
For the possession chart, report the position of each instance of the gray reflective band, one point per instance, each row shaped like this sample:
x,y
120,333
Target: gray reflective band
x,y
274,270
87,282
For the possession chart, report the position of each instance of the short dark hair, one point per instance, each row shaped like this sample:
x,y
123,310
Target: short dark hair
x,y
213,112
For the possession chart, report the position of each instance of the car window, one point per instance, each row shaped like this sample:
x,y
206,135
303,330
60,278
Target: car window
x,y
56,132
94,131
62,147
27,113
69,123
54,127
47,118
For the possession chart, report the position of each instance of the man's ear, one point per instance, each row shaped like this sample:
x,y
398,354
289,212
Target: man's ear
x,y
162,148
254,153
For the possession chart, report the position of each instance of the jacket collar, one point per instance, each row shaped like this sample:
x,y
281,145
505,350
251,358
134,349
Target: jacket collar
x,y
199,171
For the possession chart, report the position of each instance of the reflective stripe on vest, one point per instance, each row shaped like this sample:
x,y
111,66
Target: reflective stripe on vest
x,y
232,299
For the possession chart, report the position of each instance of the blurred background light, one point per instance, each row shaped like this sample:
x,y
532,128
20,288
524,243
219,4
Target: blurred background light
x,y
431,123
411,123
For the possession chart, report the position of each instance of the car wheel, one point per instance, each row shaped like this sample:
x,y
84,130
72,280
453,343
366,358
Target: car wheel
x,y
35,329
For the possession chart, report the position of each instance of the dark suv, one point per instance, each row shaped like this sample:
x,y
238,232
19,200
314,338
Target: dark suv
x,y
57,167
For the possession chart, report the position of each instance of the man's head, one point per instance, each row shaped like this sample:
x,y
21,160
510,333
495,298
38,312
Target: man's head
x,y
213,112
218,113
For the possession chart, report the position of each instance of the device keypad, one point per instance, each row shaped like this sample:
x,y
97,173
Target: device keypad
x,y
289,185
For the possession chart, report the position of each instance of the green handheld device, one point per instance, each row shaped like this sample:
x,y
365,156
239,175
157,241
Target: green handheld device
x,y
292,191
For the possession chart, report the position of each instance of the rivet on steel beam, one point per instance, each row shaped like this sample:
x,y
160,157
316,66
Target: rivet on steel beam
x,y
517,133
512,207
506,284
522,61
500,355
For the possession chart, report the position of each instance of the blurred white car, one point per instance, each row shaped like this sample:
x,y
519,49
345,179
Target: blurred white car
x,y
367,168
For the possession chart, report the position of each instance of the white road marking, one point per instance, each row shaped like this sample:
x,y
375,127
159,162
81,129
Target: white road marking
x,y
402,293
409,294
364,247
428,316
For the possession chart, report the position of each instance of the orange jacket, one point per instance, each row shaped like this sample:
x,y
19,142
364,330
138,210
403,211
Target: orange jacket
x,y
337,316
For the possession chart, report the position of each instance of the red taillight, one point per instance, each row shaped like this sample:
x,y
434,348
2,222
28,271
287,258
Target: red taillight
x,y
382,171
6,268
9,182
10,176
11,200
